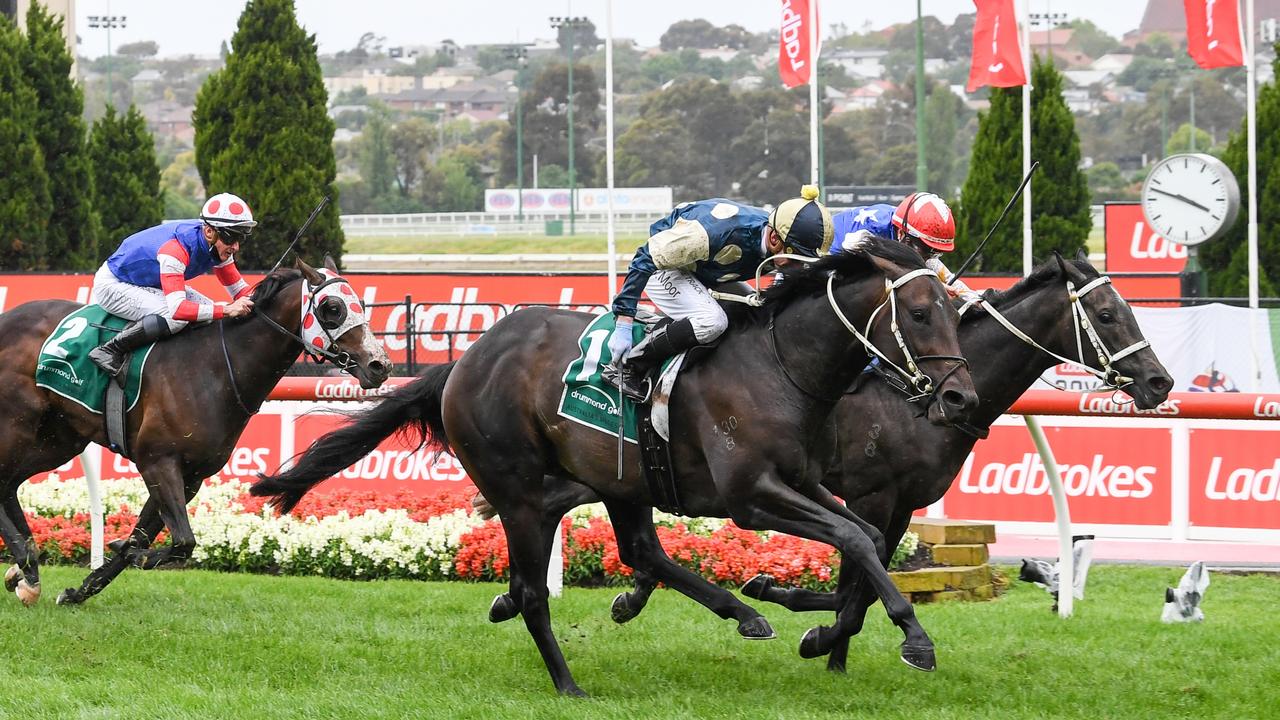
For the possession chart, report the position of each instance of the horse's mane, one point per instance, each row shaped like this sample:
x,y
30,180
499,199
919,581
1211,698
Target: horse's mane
x,y
1044,273
810,279
271,285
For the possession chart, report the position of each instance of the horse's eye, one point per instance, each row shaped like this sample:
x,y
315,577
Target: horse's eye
x,y
1106,317
918,315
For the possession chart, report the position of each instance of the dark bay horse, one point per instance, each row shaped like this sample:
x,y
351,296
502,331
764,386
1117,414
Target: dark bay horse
x,y
747,425
195,402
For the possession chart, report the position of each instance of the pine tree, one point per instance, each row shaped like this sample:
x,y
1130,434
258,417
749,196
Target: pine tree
x,y
25,206
1060,193
126,177
1226,260
74,228
263,132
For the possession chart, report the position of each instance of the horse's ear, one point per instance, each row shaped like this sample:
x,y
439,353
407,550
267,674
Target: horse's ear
x,y
329,264
308,272
1082,255
1062,264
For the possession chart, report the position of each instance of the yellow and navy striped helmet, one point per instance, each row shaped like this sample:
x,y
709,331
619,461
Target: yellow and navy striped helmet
x,y
804,224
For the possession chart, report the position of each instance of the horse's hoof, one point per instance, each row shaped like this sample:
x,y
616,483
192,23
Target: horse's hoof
x,y
834,666
28,594
811,644
920,657
621,609
70,596
757,586
572,690
502,609
118,546
757,628
11,578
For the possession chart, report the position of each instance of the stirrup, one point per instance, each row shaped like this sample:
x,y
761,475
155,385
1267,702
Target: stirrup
x,y
622,380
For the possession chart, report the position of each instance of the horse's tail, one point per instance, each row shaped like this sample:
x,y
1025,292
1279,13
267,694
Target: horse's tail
x,y
414,410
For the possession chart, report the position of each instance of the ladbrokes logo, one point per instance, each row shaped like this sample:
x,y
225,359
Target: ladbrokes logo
x,y
420,464
329,390
1027,477
1104,405
1264,408
1243,483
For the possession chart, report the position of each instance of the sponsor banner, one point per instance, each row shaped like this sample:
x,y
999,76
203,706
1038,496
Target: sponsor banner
x,y
794,53
258,451
997,55
1235,478
1185,405
1110,477
394,465
1133,246
549,201
1215,348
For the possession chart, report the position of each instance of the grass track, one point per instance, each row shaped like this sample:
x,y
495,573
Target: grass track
x,y
194,644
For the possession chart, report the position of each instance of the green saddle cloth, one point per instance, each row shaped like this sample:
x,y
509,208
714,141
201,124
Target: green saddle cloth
x,y
64,366
588,398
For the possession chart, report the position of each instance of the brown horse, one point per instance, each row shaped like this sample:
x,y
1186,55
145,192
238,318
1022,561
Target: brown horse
x,y
746,425
198,393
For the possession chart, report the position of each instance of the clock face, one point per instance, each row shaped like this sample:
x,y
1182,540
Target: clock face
x,y
1190,198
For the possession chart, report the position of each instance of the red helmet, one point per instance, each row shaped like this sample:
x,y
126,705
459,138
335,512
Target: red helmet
x,y
927,218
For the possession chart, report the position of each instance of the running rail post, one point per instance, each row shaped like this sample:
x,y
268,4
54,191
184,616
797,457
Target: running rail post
x,y
1066,553
90,460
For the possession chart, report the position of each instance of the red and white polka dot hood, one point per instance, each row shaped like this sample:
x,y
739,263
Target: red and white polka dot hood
x,y
328,310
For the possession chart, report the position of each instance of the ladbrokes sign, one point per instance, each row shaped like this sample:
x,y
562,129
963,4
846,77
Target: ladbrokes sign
x,y
1133,246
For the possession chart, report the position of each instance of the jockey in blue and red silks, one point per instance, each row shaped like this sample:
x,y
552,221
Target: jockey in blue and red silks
x,y
145,280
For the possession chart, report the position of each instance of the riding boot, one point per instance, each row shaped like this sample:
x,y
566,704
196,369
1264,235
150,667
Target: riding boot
x,y
110,355
665,342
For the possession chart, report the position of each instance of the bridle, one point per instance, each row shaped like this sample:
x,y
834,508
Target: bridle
x,y
1107,373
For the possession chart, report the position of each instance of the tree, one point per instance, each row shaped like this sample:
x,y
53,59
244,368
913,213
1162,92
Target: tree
x,y
1226,260
142,49
582,35
126,179
1090,39
1060,201
1180,140
25,204
410,142
546,124
74,226
376,164
263,132
943,113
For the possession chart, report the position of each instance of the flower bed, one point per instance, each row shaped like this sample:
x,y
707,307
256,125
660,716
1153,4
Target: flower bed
x,y
368,535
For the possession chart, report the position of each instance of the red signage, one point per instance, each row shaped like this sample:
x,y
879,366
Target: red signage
x,y
1133,246
1109,477
1235,478
257,451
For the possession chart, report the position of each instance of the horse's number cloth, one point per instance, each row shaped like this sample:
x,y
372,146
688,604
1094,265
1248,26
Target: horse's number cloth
x,y
64,366
587,397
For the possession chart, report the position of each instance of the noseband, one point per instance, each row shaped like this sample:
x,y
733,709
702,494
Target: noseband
x,y
1107,373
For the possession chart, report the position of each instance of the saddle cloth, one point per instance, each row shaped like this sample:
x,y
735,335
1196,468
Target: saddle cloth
x,y
63,366
590,400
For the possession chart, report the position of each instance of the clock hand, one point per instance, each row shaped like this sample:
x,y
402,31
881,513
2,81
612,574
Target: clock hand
x,y
1186,200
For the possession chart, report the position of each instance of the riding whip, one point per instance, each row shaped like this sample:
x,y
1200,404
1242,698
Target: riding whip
x,y
1017,194
298,235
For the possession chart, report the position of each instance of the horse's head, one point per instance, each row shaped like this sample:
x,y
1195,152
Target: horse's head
x,y
915,330
1105,335
335,326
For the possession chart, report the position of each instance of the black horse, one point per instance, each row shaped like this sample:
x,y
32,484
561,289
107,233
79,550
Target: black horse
x,y
198,393
747,426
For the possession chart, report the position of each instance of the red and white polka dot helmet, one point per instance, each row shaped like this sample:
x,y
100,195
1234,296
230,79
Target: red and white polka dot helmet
x,y
927,218
225,210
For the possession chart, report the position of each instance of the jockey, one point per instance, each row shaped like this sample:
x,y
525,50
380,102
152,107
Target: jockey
x,y
146,279
701,244
922,220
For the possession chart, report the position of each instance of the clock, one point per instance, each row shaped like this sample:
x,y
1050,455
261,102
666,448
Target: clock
x,y
1190,198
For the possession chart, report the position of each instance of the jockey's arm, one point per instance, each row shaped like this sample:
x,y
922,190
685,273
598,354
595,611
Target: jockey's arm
x,y
173,265
627,301
229,275
955,289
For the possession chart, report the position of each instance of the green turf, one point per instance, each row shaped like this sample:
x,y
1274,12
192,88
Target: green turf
x,y
487,244
190,644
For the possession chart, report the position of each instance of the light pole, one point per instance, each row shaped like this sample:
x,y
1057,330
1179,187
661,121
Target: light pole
x,y
571,24
520,54
108,22
922,169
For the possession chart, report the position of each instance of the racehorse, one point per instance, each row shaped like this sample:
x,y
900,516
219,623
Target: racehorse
x,y
198,393
746,424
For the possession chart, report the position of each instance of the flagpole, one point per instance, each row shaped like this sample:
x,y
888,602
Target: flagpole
x,y
1026,138
812,22
608,144
1250,111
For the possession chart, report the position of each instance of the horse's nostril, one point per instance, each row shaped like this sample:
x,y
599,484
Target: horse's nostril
x,y
378,367
955,398
1160,384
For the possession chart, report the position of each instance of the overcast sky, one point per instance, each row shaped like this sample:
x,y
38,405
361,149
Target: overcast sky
x,y
183,28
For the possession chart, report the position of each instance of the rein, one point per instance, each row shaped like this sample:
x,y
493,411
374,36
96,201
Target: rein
x,y
341,359
1107,373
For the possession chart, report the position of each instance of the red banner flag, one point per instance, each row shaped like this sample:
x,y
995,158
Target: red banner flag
x,y
794,56
1213,33
997,55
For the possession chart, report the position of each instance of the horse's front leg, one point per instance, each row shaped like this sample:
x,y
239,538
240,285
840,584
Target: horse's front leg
x,y
140,538
764,501
165,483
23,577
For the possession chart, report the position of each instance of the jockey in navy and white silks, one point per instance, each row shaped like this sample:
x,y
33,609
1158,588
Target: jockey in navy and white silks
x,y
922,220
145,280
699,245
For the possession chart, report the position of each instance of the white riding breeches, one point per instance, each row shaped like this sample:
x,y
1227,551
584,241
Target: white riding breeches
x,y
680,295
133,302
